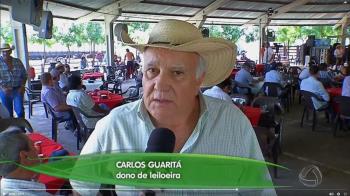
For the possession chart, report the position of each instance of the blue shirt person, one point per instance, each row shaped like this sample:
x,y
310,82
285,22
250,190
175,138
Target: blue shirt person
x,y
311,84
13,77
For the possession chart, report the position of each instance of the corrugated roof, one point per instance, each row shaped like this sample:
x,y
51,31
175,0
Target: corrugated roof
x,y
239,12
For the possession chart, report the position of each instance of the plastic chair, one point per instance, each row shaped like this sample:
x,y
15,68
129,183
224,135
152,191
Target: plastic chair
x,y
55,120
83,130
18,122
308,105
131,94
274,113
272,89
33,97
344,112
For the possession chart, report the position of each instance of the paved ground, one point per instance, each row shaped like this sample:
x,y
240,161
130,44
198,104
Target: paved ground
x,y
301,147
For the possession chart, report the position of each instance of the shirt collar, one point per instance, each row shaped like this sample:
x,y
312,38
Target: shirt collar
x,y
143,114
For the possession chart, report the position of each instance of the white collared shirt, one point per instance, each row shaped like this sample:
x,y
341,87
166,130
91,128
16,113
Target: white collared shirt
x,y
311,84
275,77
218,93
83,101
22,187
221,129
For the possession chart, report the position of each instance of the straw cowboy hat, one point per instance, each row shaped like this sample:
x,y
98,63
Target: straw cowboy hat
x,y
219,54
5,47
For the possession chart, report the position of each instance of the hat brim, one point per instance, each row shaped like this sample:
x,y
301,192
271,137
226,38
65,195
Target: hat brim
x,y
218,54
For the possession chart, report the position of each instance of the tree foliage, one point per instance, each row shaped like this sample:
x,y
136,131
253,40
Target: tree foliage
x,y
233,33
94,33
6,35
292,34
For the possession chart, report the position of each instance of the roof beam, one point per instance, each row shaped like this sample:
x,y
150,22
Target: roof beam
x,y
113,8
283,9
202,14
344,19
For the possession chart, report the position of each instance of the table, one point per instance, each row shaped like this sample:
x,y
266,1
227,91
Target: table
x,y
93,75
112,100
92,86
334,92
253,114
53,184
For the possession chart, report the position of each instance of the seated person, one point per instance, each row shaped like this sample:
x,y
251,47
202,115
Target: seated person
x,y
325,77
77,97
274,76
57,100
346,83
244,78
17,180
56,76
63,82
304,73
311,84
221,91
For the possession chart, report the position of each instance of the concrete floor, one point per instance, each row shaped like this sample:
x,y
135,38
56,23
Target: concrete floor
x,y
301,147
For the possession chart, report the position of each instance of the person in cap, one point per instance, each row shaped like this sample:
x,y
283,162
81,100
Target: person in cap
x,y
13,77
177,62
221,91
17,180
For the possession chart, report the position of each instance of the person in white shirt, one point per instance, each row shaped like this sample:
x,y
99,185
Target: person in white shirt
x,y
304,73
346,82
313,85
274,76
221,91
77,97
63,82
269,55
15,146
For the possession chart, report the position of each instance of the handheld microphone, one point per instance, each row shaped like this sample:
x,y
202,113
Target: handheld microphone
x,y
160,140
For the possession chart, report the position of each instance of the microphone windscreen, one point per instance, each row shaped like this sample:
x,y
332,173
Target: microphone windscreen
x,y
161,140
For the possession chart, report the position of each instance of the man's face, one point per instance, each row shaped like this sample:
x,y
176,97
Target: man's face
x,y
170,84
6,53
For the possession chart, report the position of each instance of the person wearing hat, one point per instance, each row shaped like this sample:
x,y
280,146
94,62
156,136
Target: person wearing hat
x,y
177,62
13,77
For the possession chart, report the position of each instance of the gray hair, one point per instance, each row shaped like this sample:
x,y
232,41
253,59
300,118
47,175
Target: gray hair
x,y
202,67
12,142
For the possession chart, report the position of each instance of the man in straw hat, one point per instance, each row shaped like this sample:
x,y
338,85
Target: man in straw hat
x,y
13,77
177,62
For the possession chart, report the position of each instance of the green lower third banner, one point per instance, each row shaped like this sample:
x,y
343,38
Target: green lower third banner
x,y
162,170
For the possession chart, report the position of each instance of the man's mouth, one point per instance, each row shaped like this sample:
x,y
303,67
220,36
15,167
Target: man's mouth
x,y
162,101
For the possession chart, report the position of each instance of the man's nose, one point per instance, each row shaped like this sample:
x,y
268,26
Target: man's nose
x,y
162,82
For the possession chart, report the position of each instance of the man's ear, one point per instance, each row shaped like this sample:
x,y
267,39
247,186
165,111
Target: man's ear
x,y
23,157
200,79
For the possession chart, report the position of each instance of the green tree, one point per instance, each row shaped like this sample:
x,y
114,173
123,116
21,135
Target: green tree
x,y
252,36
232,33
292,34
95,36
74,36
35,39
6,34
